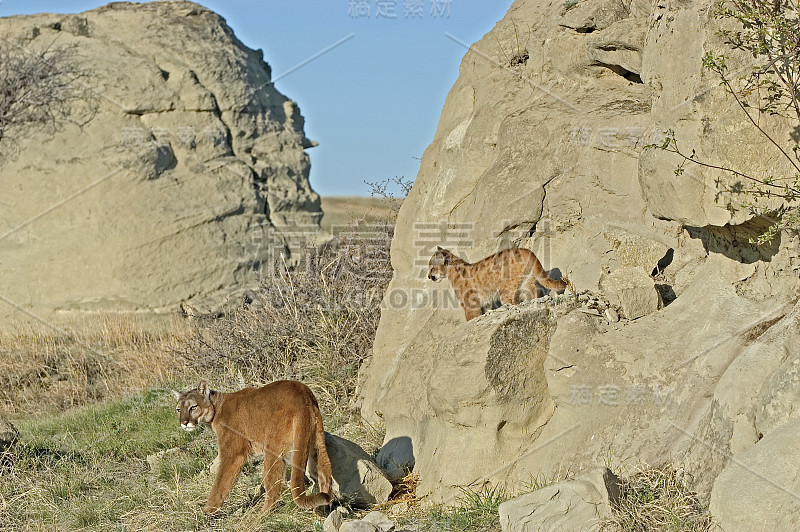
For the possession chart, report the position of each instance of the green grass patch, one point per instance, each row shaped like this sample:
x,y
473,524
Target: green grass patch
x,y
125,465
133,427
475,511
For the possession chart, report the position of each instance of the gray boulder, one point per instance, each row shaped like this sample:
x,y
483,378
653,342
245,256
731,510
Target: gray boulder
x,y
578,504
396,457
357,479
380,520
358,526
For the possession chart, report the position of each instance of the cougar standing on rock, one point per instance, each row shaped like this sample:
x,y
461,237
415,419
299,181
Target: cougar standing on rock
x,y
509,276
280,419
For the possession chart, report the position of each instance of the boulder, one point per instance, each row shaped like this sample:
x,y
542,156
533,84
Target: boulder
x,y
372,522
190,174
335,519
358,526
357,479
578,504
496,360
632,290
380,520
759,489
396,457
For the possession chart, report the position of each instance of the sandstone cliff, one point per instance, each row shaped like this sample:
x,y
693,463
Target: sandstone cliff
x,y
541,144
190,168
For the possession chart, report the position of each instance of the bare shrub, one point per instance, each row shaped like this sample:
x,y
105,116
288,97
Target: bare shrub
x,y
313,322
658,499
37,86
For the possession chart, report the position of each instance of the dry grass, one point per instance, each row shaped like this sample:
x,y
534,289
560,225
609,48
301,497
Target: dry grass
x,y
658,499
42,369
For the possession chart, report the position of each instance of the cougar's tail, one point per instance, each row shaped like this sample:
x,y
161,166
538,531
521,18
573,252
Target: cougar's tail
x,y
324,471
316,437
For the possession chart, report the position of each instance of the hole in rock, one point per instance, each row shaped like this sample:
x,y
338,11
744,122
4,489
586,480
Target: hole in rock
x,y
519,59
667,293
663,262
633,77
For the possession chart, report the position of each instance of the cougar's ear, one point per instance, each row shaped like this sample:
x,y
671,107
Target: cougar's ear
x,y
176,394
204,389
439,248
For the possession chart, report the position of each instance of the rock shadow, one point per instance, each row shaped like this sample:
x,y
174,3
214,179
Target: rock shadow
x,y
737,241
396,457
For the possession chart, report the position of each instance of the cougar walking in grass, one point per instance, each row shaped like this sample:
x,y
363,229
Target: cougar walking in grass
x,y
281,420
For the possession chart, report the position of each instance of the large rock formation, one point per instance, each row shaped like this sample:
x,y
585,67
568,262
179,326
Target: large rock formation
x,y
190,167
541,144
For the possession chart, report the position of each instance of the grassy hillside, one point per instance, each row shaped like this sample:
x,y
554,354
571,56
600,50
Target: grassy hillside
x,y
120,461
342,211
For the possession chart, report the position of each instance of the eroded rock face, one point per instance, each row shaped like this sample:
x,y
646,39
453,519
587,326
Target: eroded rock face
x,y
191,166
549,153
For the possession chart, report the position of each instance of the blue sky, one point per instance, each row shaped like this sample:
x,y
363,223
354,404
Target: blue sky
x,y
373,101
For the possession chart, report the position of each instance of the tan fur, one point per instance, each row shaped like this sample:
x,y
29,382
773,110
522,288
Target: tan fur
x,y
509,276
280,420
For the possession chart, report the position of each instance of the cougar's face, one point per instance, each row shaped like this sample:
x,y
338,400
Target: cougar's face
x,y
437,265
193,408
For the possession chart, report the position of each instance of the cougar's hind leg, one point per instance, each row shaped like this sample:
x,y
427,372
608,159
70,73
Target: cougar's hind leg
x,y
472,305
273,477
297,482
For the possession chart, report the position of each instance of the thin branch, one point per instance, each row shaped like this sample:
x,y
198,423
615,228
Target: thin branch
x,y
676,150
744,109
